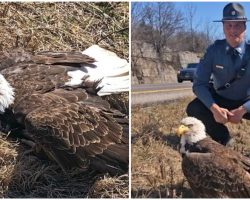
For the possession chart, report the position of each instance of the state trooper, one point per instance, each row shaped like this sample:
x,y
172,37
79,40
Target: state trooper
x,y
227,62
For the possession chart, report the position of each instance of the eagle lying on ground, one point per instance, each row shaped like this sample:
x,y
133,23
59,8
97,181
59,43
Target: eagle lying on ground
x,y
212,170
52,98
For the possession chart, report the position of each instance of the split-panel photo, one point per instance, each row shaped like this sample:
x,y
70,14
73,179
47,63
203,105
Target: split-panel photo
x,y
129,99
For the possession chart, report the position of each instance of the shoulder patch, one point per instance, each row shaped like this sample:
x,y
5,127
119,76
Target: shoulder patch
x,y
248,43
219,42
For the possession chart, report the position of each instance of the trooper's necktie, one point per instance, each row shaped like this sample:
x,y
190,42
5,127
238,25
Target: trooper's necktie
x,y
234,54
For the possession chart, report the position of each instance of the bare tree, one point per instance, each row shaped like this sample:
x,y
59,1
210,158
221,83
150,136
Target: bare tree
x,y
139,29
164,21
190,13
211,31
136,13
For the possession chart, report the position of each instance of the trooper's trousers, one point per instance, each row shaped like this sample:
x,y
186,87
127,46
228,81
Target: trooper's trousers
x,y
218,132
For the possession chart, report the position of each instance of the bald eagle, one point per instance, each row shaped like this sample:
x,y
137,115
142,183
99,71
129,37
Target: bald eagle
x,y
70,105
212,170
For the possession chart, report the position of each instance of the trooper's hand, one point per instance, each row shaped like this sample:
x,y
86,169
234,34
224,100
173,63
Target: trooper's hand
x,y
221,115
237,114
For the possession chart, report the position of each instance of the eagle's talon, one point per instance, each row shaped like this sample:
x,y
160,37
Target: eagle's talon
x,y
28,143
35,149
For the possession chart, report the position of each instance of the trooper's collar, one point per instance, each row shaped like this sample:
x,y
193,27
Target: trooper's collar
x,y
240,49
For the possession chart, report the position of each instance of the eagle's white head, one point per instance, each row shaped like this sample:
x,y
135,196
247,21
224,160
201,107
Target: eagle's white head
x,y
191,131
6,94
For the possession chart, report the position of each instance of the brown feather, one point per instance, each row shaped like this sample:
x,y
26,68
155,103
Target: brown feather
x,y
74,128
215,171
48,57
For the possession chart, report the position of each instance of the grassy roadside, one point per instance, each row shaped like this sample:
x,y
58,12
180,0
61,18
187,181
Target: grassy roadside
x,y
156,162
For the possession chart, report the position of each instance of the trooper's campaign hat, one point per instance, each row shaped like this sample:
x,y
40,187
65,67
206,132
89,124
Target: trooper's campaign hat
x,y
233,12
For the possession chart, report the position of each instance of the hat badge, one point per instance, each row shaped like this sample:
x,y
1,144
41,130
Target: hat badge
x,y
233,12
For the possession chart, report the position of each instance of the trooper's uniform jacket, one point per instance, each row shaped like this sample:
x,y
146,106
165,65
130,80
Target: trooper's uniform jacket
x,y
219,64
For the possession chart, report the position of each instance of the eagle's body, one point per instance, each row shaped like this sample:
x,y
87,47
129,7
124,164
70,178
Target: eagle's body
x,y
213,170
72,125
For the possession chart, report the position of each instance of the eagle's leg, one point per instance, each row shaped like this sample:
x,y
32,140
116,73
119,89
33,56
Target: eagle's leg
x,y
34,147
27,136
28,143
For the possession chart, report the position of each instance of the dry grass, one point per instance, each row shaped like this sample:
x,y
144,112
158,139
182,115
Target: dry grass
x,y
156,162
110,187
25,175
59,26
65,26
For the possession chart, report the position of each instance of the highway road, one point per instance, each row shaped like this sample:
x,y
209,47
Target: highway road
x,y
152,93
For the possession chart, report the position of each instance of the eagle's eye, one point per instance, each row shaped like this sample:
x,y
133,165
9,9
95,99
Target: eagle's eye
x,y
190,125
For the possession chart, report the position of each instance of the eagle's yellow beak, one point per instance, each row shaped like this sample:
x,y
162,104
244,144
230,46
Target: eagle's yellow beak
x,y
182,129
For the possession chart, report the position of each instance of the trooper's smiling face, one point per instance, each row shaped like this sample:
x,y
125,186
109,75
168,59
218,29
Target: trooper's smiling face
x,y
234,32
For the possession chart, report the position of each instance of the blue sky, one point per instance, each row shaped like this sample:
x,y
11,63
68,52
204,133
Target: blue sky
x,y
210,11
207,12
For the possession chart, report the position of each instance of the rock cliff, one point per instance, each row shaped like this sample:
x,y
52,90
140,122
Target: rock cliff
x,y
148,67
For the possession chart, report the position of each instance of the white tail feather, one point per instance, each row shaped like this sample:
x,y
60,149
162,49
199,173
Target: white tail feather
x,y
6,94
109,68
76,77
113,85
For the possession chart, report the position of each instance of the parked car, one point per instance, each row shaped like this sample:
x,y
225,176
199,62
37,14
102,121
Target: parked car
x,y
187,74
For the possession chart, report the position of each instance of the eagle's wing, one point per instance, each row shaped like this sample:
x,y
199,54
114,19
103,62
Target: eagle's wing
x,y
214,174
209,145
46,71
73,127
119,101
49,57
19,56
34,78
75,130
